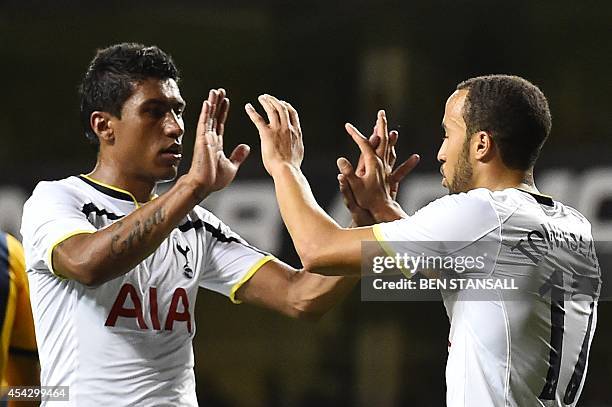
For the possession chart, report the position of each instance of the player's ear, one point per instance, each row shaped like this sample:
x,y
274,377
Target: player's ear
x,y
101,123
484,146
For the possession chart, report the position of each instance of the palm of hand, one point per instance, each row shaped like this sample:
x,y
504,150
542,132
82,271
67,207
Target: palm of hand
x,y
211,168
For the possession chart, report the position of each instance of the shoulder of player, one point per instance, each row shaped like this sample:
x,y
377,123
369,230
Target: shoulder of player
x,y
477,201
575,212
45,189
201,214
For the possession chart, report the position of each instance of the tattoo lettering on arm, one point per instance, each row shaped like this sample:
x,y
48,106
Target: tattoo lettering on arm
x,y
137,234
115,250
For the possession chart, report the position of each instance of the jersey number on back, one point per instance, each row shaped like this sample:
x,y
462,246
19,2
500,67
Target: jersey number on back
x,y
557,318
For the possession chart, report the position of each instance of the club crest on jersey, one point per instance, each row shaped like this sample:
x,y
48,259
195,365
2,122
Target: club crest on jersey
x,y
187,271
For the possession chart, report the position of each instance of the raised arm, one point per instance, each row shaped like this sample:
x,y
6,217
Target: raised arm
x,y
320,242
308,294
98,257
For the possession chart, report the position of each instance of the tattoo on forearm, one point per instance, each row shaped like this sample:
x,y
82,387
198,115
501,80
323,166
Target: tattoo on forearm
x,y
137,234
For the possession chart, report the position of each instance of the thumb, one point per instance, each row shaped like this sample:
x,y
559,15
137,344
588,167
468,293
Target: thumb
x,y
240,153
347,194
345,166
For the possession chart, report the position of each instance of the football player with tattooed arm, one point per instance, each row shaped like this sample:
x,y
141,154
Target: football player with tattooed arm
x,y
503,350
114,270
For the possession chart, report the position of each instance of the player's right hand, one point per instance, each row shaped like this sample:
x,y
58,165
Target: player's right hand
x,y
281,136
210,169
374,181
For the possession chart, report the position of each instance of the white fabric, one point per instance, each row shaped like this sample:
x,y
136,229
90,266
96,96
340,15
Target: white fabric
x,y
129,360
499,349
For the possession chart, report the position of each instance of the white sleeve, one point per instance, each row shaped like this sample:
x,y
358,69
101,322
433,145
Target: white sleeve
x,y
460,218
51,215
230,260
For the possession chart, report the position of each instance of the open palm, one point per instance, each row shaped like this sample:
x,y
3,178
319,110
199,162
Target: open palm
x,y
210,167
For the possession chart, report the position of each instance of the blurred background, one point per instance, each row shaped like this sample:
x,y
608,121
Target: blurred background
x,y
335,62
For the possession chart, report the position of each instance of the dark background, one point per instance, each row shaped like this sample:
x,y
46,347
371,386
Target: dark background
x,y
336,62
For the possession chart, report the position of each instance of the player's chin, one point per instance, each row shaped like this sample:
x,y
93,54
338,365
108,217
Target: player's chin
x,y
167,173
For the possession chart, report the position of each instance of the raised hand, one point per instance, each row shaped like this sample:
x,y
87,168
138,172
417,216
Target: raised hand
x,y
359,215
281,137
210,169
373,183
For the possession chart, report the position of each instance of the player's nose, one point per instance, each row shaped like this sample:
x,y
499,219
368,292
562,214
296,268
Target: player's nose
x,y
441,156
173,126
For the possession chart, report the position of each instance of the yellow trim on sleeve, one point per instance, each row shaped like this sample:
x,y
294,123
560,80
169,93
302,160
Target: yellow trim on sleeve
x,y
382,241
387,249
58,241
123,191
246,278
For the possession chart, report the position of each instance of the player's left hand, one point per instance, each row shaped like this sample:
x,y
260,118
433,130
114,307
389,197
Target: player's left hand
x,y
281,137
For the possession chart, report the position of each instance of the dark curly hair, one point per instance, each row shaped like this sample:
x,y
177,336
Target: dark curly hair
x,y
112,74
513,110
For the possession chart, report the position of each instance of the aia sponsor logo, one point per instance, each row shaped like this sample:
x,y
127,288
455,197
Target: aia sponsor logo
x,y
128,294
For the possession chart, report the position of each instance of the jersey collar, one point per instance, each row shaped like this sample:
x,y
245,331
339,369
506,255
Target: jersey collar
x,y
541,199
110,190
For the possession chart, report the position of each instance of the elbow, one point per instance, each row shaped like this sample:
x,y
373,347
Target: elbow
x,y
82,270
90,280
312,256
305,306
306,312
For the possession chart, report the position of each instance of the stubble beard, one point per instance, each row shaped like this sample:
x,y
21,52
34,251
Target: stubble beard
x,y
462,179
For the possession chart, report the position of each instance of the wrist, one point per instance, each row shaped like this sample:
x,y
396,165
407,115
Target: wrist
x,y
193,189
283,169
387,211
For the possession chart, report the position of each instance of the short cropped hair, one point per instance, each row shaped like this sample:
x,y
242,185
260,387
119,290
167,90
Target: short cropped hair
x,y
514,111
112,75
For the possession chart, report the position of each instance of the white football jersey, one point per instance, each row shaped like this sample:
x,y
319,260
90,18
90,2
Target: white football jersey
x,y
514,350
127,342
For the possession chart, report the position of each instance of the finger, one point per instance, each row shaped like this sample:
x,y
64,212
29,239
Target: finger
x,y
218,96
347,194
222,117
345,167
212,96
404,169
221,93
380,148
204,146
224,105
273,116
257,120
293,115
212,101
240,153
203,113
202,128
283,113
374,142
360,140
381,130
393,136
